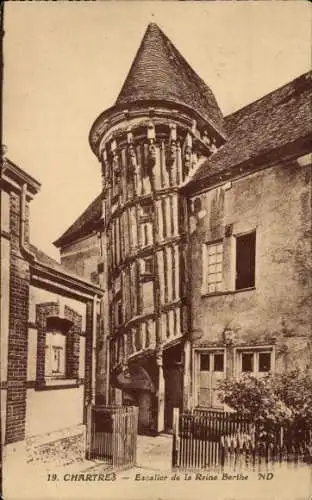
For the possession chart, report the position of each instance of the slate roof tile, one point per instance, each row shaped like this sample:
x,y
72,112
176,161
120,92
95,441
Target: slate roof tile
x,y
276,120
83,224
159,72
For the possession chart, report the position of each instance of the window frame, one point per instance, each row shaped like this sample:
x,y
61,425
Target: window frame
x,y
151,308
51,374
205,265
256,351
237,237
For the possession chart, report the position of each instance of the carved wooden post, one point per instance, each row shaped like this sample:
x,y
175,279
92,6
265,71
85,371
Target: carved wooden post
x,y
187,400
161,392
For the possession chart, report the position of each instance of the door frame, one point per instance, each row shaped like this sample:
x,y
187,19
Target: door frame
x,y
195,366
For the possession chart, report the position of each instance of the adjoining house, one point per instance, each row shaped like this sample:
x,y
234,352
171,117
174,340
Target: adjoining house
x,y
201,236
49,324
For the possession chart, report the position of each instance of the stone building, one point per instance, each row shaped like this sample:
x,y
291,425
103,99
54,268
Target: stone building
x,y
200,237
48,333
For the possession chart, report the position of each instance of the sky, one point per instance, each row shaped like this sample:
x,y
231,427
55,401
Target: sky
x,y
65,62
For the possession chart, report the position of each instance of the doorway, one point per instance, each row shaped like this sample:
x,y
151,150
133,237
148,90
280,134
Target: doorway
x,y
173,375
210,371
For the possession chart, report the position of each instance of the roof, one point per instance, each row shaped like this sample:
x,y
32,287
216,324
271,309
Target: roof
x,y
84,224
10,171
47,261
276,120
159,73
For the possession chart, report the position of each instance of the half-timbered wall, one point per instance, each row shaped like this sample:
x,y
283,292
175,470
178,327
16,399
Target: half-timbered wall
x,y
142,168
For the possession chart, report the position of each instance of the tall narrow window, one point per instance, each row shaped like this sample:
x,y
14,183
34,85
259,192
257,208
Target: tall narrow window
x,y
212,267
245,260
146,223
55,354
147,267
147,297
119,312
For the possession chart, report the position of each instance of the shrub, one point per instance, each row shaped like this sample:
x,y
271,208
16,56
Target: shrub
x,y
272,401
295,390
256,399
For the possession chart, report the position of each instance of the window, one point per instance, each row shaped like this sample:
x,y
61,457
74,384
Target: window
x,y
146,224
147,297
147,266
118,312
213,267
55,355
264,362
247,362
218,363
245,260
211,362
254,362
204,363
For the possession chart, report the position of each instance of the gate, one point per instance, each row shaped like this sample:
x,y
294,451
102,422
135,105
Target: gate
x,y
112,435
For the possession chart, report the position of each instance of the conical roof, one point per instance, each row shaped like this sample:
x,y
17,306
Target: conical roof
x,y
160,73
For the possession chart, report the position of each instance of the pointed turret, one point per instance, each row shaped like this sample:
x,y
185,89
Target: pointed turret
x,y
160,77
160,73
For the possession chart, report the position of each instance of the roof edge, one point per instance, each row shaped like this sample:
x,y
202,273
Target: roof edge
x,y
266,159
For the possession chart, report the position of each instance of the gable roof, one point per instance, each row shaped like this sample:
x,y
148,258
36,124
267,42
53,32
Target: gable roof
x,y
48,268
277,120
84,224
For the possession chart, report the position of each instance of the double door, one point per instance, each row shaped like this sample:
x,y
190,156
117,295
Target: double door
x,y
210,371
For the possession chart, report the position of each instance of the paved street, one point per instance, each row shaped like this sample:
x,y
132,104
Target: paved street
x,y
151,479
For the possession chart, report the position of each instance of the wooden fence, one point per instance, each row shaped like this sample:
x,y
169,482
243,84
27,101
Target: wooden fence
x,y
217,440
112,435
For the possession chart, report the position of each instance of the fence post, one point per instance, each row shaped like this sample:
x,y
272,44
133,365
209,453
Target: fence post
x,y
135,416
89,431
175,440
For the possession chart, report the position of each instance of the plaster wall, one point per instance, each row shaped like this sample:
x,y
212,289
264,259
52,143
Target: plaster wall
x,y
276,203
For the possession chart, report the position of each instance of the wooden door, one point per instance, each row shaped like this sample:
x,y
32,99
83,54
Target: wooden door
x,y
210,369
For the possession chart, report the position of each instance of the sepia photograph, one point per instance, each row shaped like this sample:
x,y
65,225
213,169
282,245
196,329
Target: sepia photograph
x,y
156,264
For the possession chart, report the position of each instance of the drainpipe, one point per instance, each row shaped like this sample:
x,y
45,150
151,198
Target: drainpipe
x,y
93,377
27,253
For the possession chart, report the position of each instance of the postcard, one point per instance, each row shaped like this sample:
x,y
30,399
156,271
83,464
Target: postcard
x,y
156,250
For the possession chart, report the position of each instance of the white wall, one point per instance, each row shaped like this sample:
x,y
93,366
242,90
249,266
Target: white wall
x,y
52,410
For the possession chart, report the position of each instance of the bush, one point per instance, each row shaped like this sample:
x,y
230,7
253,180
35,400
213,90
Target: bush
x,y
295,390
273,401
256,399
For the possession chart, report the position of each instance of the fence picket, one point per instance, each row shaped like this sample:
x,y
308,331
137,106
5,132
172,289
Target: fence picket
x,y
224,439
112,434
